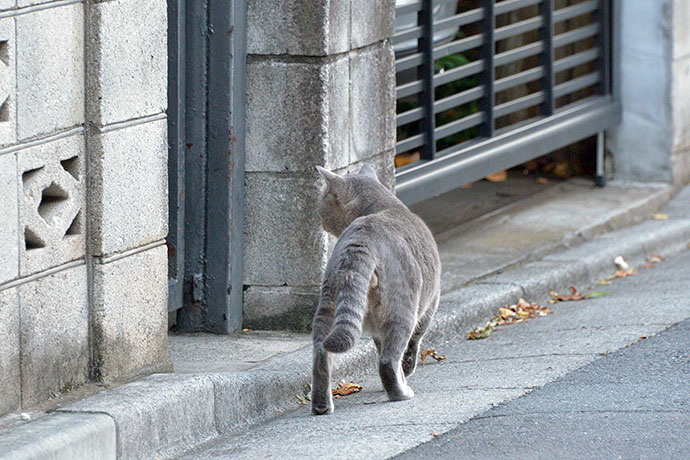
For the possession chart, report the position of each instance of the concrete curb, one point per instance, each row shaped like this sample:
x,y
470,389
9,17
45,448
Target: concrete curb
x,y
163,415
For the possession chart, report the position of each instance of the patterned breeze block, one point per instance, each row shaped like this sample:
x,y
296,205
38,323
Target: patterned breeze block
x,y
51,204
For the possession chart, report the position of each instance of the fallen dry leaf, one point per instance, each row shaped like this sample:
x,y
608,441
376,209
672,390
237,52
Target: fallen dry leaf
x,y
301,400
344,389
480,332
624,273
654,258
500,176
556,297
542,180
659,216
649,266
246,329
466,186
430,352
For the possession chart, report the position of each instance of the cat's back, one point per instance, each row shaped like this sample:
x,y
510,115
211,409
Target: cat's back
x,y
397,234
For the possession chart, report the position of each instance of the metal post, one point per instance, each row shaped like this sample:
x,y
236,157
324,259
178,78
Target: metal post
x,y
425,19
547,57
600,178
176,152
489,75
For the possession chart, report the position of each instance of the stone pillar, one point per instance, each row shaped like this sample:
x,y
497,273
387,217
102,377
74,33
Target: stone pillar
x,y
320,91
653,141
126,99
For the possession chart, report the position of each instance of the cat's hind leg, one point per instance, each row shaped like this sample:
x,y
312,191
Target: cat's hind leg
x,y
321,396
396,335
409,361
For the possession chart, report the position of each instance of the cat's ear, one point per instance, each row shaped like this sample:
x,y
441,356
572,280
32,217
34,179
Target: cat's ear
x,y
333,181
368,171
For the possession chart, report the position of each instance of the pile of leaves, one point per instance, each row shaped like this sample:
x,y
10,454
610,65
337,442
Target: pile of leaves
x,y
518,313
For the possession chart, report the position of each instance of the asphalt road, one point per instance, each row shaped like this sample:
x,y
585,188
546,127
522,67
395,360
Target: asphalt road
x,y
630,404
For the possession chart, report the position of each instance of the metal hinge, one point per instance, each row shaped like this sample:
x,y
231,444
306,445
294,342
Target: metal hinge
x,y
197,287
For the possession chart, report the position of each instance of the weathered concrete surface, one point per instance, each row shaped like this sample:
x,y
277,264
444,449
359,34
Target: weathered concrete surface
x,y
201,352
50,70
160,415
513,361
61,437
129,315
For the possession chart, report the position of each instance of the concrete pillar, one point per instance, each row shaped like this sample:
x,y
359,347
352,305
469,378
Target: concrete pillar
x,y
126,142
320,91
652,144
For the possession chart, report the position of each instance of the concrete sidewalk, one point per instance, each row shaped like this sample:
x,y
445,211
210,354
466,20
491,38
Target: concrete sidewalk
x,y
456,395
165,415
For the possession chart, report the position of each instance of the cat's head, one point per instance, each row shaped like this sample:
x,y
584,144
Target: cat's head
x,y
348,197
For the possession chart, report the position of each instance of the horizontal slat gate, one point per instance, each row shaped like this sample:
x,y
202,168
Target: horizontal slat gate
x,y
484,85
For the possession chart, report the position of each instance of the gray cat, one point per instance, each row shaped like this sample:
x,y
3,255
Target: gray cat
x,y
384,276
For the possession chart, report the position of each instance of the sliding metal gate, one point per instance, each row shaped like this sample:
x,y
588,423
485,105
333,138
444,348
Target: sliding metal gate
x,y
484,85
206,162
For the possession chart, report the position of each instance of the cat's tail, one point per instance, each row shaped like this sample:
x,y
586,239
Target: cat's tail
x,y
355,269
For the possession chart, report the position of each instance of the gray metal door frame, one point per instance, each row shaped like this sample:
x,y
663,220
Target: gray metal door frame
x,y
206,125
494,150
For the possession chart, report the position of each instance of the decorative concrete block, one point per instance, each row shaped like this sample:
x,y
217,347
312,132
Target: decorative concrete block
x,y
280,307
50,70
681,102
130,315
51,204
7,4
284,242
128,60
9,228
372,102
297,115
54,335
295,27
373,21
129,196
8,82
9,351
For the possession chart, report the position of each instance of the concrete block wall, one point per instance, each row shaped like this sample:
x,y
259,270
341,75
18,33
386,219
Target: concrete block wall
x,y
83,195
652,143
320,91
